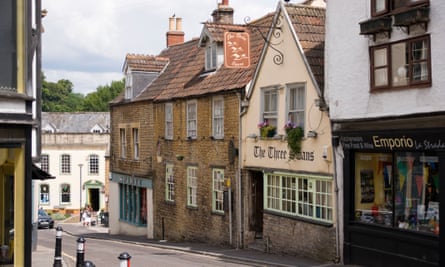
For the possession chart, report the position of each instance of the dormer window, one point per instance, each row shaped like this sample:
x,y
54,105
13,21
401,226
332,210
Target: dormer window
x,y
211,56
96,129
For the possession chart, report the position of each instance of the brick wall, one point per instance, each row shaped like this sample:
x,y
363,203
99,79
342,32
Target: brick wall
x,y
194,223
134,115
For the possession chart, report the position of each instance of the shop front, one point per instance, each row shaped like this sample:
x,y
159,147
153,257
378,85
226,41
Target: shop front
x,y
392,195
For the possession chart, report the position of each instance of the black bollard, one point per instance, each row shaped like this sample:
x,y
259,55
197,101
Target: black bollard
x,y
124,259
58,252
88,264
80,252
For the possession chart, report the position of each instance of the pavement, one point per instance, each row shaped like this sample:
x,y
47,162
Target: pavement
x,y
248,255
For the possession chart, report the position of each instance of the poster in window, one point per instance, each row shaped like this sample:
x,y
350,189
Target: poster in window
x,y
367,186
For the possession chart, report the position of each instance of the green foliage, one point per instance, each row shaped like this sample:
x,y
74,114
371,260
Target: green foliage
x,y
98,101
294,136
268,131
59,97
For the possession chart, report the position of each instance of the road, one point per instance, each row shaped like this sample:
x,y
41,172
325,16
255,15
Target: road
x,y
106,252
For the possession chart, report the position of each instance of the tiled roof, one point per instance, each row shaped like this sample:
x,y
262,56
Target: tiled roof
x,y
184,76
75,122
216,30
309,25
145,62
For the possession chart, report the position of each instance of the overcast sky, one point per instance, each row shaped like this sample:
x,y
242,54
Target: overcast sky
x,y
85,41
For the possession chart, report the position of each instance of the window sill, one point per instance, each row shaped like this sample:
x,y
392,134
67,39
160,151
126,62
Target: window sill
x,y
298,218
219,213
170,202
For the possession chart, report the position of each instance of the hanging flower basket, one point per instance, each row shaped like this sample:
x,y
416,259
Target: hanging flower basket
x,y
294,136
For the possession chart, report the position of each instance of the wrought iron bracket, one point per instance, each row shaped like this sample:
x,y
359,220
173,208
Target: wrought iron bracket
x,y
277,31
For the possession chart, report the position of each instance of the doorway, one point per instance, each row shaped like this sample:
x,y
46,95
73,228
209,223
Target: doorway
x,y
256,216
94,198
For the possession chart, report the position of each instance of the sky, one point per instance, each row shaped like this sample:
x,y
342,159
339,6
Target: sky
x,y
85,41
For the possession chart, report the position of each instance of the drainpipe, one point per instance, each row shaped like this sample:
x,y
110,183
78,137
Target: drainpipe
x,y
239,195
336,189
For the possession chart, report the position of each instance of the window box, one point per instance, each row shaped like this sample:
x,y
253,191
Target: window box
x,y
374,26
414,16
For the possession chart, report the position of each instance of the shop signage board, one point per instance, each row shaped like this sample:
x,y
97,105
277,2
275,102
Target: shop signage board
x,y
236,50
392,141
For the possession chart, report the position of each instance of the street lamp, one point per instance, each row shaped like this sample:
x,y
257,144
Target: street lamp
x,y
80,192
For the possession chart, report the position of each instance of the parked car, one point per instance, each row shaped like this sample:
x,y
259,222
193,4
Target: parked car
x,y
44,220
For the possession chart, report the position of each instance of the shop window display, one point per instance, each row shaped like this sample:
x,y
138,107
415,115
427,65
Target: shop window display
x,y
398,190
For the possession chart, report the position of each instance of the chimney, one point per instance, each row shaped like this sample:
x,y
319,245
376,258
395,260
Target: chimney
x,y
175,35
223,14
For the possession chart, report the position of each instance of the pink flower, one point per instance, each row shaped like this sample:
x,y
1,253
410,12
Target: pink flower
x,y
263,124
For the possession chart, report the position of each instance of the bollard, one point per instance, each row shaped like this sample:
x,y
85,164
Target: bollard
x,y
80,252
58,252
124,258
88,264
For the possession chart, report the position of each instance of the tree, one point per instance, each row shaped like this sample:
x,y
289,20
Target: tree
x,y
99,100
59,97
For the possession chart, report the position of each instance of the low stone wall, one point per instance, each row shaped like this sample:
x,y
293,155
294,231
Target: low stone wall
x,y
296,237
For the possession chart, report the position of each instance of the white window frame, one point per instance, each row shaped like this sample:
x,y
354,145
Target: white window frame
x,y
296,104
129,85
192,119
136,151
218,190
65,194
169,183
44,162
211,56
192,186
269,105
123,142
93,164
44,196
299,196
65,164
218,117
169,121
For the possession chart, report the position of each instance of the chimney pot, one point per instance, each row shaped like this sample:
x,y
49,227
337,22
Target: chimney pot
x,y
179,24
225,2
175,35
171,24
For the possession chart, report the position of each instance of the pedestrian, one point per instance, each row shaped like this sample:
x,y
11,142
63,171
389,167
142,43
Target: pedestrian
x,y
84,217
87,213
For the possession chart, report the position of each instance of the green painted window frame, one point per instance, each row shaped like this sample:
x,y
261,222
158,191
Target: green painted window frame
x,y
299,195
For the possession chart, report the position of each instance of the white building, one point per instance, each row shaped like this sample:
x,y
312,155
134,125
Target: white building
x,y
74,149
385,91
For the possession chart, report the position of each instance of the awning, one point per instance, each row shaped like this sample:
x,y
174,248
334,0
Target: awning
x,y
39,174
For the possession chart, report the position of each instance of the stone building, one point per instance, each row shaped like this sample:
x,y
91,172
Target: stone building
x,y
75,149
189,117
